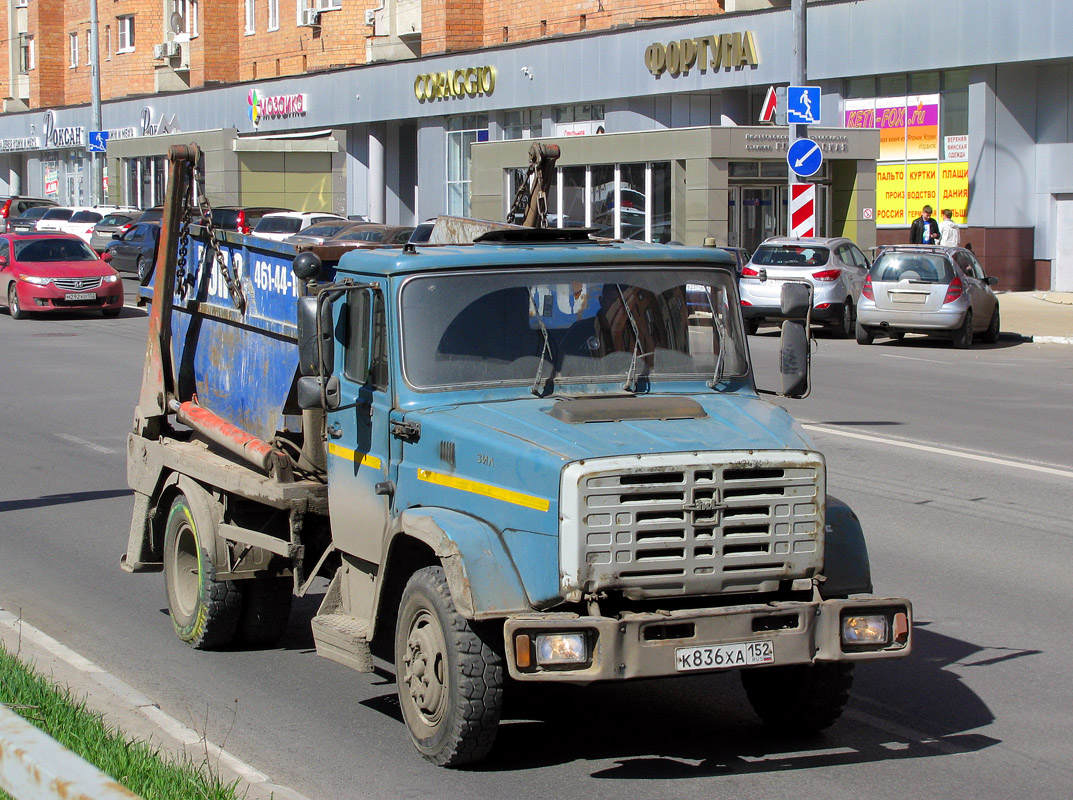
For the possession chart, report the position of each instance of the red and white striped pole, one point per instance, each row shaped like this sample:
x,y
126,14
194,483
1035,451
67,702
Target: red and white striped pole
x,y
802,209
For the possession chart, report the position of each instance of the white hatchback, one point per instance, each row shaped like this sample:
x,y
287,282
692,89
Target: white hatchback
x,y
77,220
281,224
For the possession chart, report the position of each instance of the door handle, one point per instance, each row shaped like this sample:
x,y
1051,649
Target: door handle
x,y
335,431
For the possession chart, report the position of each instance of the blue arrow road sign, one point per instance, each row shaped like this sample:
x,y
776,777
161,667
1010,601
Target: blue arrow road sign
x,y
98,142
804,157
803,105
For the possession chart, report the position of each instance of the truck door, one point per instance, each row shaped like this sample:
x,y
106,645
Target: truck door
x,y
358,428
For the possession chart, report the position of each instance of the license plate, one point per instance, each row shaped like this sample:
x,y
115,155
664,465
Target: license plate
x,y
908,297
72,297
724,656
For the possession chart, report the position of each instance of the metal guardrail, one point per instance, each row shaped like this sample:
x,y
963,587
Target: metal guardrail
x,y
34,766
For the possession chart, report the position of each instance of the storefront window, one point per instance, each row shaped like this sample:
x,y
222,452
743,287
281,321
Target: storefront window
x,y
462,132
893,85
923,82
579,120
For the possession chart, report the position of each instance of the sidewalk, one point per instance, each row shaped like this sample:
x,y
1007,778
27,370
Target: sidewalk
x,y
1039,317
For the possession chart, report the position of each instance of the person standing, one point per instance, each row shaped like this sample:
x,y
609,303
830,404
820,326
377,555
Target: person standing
x,y
925,230
949,233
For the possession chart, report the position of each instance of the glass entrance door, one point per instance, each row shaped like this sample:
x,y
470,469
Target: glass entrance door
x,y
759,215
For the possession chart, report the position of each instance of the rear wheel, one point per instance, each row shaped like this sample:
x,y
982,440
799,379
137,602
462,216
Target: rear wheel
x,y
864,335
800,698
991,335
844,327
204,610
963,335
13,306
144,268
450,678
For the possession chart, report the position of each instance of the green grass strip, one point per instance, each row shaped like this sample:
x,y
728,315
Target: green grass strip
x,y
144,769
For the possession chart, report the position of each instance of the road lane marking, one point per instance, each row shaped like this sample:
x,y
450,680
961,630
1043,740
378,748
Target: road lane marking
x,y
137,701
798,754
90,445
917,358
943,451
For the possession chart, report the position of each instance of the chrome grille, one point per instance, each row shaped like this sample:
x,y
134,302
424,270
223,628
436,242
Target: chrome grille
x,y
735,522
77,284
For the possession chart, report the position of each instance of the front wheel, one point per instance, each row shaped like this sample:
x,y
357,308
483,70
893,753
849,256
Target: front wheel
x,y
450,677
205,611
991,336
13,306
799,698
963,335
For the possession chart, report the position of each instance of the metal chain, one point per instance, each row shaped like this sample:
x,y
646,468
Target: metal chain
x,y
234,288
521,198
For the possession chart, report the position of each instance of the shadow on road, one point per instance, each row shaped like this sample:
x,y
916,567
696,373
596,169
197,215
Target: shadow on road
x,y
62,499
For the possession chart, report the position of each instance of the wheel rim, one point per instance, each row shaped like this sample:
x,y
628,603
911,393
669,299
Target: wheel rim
x,y
425,668
13,300
186,575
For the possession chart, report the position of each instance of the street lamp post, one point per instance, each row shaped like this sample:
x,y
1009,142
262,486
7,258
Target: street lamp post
x,y
798,70
98,194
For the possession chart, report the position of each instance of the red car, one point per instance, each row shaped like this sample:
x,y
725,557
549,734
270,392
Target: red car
x,y
56,272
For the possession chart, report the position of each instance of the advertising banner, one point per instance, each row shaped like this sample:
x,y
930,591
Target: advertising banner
x,y
890,119
922,126
954,189
52,180
921,189
890,194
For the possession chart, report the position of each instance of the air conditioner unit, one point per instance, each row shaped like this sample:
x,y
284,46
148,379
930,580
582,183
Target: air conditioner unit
x,y
166,50
310,18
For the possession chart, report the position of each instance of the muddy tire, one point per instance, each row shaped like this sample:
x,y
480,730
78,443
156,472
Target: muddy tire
x,y
450,676
205,611
864,335
799,698
991,335
266,610
14,307
963,335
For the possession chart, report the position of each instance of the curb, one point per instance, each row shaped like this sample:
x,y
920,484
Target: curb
x,y
128,709
1051,339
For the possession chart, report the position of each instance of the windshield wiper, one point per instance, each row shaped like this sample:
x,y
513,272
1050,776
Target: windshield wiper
x,y
546,348
631,375
721,332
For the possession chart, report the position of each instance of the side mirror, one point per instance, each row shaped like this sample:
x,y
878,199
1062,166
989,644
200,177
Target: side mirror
x,y
794,355
309,392
106,257
991,280
796,299
316,349
3,261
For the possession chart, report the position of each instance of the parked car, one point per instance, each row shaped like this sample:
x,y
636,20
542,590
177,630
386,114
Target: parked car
x,y
56,272
316,234
77,220
422,233
928,289
741,257
102,233
16,205
279,225
26,222
134,250
154,214
834,266
372,233
240,218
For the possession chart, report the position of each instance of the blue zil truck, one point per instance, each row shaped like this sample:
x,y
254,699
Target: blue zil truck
x,y
538,456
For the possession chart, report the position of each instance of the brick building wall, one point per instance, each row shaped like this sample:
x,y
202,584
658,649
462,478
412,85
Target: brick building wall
x,y
47,22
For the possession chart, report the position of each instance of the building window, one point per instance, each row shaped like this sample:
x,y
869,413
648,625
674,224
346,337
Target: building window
x,y
251,26
125,27
578,120
522,123
73,39
107,42
273,15
328,5
462,132
26,53
188,18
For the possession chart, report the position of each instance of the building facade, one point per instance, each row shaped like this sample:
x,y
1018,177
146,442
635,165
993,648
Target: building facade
x,y
407,109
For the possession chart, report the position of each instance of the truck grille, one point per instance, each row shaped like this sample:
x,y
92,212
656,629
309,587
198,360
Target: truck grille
x,y
695,524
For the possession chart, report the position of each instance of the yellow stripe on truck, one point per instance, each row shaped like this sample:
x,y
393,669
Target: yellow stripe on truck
x,y
484,489
363,459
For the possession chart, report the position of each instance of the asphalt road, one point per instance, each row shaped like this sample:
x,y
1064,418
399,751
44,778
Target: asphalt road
x,y
959,464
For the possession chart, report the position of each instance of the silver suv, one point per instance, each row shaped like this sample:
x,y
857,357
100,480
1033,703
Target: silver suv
x,y
835,267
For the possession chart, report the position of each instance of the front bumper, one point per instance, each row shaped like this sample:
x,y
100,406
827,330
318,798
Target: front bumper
x,y
644,645
51,298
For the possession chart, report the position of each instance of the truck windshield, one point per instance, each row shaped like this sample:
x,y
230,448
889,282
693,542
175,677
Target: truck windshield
x,y
585,325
